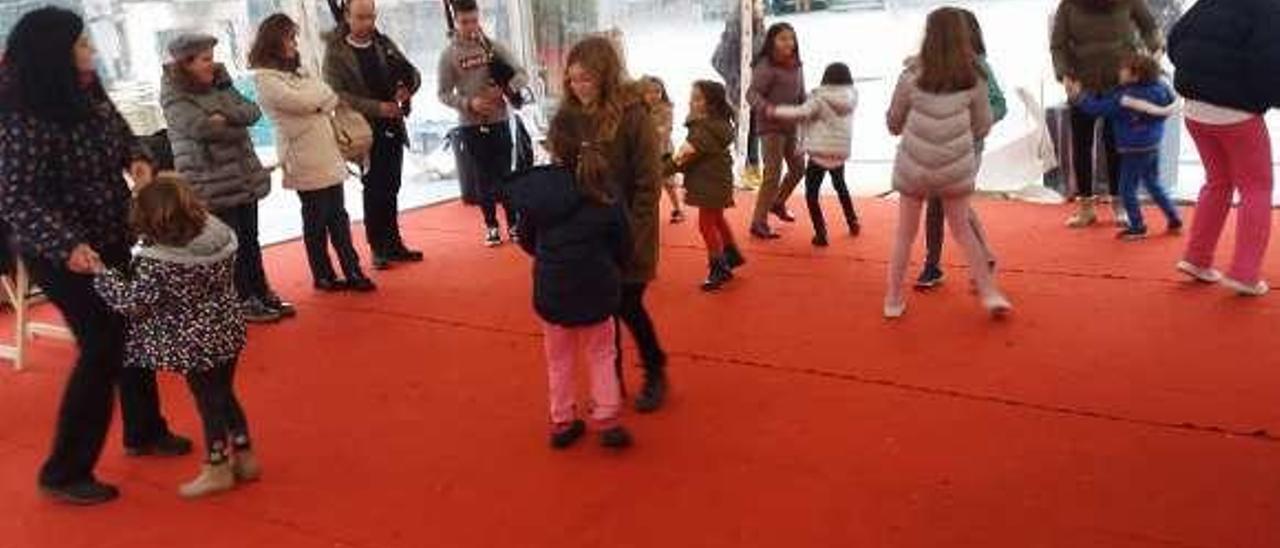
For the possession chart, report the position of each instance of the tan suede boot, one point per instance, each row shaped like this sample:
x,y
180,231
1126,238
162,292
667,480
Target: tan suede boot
x,y
245,466
213,478
1085,216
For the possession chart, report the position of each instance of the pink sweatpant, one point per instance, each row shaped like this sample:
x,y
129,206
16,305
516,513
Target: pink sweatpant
x,y
597,344
1236,157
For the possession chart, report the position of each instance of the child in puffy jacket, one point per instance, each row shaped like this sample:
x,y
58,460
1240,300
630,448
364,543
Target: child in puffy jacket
x,y
1138,134
826,135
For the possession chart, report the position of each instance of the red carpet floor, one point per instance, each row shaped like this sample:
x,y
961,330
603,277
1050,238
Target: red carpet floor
x,y
1118,407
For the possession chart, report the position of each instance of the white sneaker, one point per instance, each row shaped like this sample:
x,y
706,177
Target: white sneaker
x,y
997,305
1204,275
894,310
1245,290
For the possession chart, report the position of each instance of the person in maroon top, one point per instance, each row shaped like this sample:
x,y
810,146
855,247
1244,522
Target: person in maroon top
x,y
777,79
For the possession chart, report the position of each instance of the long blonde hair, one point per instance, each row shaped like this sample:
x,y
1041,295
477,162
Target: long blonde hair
x,y
598,56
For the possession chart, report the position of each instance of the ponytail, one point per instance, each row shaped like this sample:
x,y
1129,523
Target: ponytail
x,y
574,142
592,173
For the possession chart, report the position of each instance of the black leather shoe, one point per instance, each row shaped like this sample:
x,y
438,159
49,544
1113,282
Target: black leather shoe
x,y
361,284
616,438
281,306
406,255
763,232
170,445
780,211
330,285
564,438
653,394
382,262
85,493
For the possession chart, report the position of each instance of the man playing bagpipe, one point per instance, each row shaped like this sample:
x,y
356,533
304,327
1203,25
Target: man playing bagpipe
x,y
482,80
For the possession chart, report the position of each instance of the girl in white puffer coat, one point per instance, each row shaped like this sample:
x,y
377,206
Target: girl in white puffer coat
x,y
826,135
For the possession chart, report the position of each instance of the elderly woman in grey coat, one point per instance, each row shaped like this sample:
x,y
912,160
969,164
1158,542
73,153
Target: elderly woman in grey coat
x,y
209,129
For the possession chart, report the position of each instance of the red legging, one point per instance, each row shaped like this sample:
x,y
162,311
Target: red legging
x,y
715,230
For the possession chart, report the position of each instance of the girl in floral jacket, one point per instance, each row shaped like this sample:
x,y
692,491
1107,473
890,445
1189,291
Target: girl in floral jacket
x,y
184,316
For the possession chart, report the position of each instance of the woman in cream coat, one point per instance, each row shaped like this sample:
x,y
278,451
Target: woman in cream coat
x,y
301,106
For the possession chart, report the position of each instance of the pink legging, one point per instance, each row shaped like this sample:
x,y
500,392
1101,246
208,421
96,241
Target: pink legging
x,y
596,342
956,211
1236,157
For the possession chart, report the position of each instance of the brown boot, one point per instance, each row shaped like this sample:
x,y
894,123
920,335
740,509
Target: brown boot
x,y
1085,216
245,466
213,478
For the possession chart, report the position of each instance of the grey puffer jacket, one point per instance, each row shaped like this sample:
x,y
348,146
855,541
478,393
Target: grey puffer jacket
x,y
218,159
939,134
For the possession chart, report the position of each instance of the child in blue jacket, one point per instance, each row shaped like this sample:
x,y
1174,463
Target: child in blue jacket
x,y
1138,135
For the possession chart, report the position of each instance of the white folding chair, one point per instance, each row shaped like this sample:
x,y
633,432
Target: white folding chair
x,y
17,288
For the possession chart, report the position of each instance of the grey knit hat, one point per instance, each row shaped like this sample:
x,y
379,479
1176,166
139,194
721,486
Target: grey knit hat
x,y
189,44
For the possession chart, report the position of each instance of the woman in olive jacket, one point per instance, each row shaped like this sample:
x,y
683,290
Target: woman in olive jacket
x,y
1090,37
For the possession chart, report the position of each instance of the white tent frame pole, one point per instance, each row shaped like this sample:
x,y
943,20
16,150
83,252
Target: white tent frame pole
x,y
746,17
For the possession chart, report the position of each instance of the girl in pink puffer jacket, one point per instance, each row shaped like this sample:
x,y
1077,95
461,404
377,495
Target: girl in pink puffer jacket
x,y
940,109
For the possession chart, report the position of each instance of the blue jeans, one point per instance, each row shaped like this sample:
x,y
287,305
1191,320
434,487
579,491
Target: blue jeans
x,y
1141,169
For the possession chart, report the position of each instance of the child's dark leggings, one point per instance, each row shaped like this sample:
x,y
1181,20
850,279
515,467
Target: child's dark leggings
x,y
813,178
220,411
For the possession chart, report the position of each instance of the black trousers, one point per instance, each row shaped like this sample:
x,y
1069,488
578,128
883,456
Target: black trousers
x,y
84,415
381,194
491,146
636,317
753,142
813,176
250,276
325,221
1082,138
220,411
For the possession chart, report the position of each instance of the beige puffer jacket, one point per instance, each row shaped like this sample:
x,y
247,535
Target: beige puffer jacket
x,y
936,156
301,107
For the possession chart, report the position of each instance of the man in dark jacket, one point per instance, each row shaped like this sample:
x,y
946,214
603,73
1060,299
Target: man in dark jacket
x,y
370,73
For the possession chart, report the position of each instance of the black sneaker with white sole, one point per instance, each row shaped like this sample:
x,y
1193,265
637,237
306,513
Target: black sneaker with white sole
x,y
930,277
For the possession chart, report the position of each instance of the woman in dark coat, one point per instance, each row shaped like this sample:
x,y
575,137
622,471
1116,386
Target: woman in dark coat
x,y
209,128
63,152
